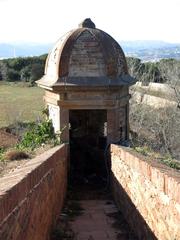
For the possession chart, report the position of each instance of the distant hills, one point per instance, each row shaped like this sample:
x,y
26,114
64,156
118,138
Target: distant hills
x,y
140,44
9,50
145,50
151,50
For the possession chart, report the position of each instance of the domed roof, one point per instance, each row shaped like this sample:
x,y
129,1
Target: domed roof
x,y
86,56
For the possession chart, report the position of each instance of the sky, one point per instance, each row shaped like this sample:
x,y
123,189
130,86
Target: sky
x,y
45,21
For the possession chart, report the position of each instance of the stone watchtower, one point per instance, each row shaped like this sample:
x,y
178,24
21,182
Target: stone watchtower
x,y
87,70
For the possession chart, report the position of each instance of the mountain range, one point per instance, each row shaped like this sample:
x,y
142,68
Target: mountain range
x,y
151,50
9,50
145,50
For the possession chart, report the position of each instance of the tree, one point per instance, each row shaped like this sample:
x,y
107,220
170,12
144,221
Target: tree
x,y
144,72
22,69
37,70
3,71
157,129
170,70
13,75
25,74
16,63
135,67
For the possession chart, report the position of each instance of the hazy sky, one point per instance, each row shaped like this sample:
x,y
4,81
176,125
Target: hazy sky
x,y
46,20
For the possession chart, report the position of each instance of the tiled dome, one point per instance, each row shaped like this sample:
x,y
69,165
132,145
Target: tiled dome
x,y
86,56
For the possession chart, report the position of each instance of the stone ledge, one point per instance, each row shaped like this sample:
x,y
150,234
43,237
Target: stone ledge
x,y
15,186
148,194
163,177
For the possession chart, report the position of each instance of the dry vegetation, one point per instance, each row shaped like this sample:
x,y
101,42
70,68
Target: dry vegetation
x,y
18,103
155,133
155,111
155,130
11,155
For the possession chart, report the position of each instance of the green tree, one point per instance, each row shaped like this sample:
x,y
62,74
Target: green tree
x,y
3,71
37,70
25,74
12,75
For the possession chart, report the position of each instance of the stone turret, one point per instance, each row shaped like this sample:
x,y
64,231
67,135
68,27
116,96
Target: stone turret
x,y
87,69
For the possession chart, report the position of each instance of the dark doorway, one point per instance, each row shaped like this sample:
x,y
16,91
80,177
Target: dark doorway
x,y
87,147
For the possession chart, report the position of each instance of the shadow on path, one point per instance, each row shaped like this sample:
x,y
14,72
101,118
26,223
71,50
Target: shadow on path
x,y
92,215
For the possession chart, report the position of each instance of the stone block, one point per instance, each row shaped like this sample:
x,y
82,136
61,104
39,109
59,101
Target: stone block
x,y
147,193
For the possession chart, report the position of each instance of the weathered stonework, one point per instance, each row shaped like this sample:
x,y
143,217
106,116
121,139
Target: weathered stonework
x,y
87,69
115,102
32,196
148,194
87,59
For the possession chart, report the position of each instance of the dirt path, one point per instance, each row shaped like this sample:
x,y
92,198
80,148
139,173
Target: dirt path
x,y
91,215
98,222
7,139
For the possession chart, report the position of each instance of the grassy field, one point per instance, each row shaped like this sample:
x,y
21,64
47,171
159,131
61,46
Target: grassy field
x,y
19,103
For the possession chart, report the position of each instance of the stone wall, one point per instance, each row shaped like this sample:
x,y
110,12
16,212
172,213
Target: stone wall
x,y
153,101
114,101
32,196
161,88
148,194
87,58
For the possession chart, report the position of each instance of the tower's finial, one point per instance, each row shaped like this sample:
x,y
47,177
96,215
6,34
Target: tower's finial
x,y
87,23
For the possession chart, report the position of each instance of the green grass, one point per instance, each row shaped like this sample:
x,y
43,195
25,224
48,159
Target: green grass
x,y
19,102
166,159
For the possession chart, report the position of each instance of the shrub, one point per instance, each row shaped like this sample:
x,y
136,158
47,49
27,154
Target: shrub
x,y
15,155
144,150
38,134
167,160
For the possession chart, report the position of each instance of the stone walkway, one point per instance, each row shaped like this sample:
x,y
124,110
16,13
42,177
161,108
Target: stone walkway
x,y
99,221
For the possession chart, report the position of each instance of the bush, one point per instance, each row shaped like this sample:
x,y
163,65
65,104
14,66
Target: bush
x,y
38,134
15,155
167,160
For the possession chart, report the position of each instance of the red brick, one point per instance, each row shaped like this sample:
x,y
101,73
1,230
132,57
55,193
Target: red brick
x,y
30,207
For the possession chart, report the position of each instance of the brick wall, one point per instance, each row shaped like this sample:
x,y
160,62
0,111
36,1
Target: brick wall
x,y
32,196
87,59
148,194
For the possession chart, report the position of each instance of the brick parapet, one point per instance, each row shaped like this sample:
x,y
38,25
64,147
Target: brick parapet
x,y
148,194
32,196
